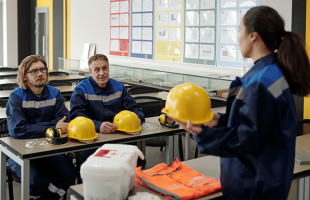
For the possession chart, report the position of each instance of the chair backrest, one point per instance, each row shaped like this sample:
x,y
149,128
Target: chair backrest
x,y
81,80
3,103
303,127
142,90
3,128
151,106
59,83
8,69
58,74
8,86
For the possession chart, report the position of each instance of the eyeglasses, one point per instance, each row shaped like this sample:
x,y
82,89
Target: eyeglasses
x,y
36,71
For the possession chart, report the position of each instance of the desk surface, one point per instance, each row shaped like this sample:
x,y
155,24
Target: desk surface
x,y
51,78
7,73
302,143
17,146
63,89
208,165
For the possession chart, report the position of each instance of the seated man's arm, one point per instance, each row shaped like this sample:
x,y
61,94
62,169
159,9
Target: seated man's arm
x,y
17,121
78,105
60,111
129,103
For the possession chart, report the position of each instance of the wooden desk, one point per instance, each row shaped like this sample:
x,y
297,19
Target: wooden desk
x,y
13,74
16,150
73,78
302,143
4,94
8,75
208,165
8,68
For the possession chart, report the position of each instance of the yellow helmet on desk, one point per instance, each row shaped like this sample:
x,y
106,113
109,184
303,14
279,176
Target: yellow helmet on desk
x,y
82,128
127,121
189,102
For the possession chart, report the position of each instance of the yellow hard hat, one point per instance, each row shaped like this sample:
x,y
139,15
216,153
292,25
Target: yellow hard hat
x,y
82,128
189,102
127,121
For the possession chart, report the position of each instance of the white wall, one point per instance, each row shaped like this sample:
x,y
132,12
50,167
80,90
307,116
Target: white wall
x,y
90,23
284,8
10,40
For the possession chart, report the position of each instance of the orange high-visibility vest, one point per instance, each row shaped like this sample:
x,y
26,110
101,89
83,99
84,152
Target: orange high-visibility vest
x,y
177,181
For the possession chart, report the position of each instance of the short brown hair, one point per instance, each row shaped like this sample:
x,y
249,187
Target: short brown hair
x,y
97,57
25,65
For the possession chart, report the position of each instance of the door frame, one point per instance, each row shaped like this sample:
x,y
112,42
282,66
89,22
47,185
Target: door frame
x,y
42,10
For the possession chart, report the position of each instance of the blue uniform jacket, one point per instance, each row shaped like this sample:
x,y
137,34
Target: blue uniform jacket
x,y
89,100
29,116
256,137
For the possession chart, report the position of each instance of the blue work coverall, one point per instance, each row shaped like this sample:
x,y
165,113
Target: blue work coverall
x,y
89,100
256,136
29,117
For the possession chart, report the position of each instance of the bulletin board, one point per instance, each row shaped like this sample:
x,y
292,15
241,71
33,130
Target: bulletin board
x,y
168,30
230,13
142,26
200,22
119,27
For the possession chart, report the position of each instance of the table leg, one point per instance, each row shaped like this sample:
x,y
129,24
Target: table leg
x,y
169,149
25,172
187,143
141,146
2,175
176,153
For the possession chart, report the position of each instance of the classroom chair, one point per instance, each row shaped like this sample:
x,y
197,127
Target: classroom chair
x,y
303,127
9,86
58,74
142,90
8,69
3,103
3,128
59,83
13,177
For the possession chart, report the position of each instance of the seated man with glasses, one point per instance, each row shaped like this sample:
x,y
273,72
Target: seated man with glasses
x,y
31,110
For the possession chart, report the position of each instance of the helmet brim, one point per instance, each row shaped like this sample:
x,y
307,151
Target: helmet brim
x,y
195,122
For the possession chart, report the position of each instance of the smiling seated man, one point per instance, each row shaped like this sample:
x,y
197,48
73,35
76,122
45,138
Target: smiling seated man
x,y
101,98
32,109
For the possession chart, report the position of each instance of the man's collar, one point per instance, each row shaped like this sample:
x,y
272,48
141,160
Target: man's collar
x,y
260,64
98,90
32,96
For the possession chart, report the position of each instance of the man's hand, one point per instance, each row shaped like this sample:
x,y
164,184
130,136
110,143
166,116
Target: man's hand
x,y
107,127
139,121
62,125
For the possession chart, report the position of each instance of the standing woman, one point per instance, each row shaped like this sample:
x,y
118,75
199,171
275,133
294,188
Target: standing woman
x,y
256,136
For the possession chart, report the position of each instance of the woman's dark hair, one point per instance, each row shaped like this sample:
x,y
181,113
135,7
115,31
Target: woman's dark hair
x,y
290,46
